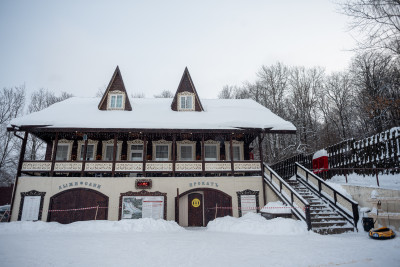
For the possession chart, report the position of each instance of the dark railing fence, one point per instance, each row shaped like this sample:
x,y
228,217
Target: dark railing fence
x,y
379,153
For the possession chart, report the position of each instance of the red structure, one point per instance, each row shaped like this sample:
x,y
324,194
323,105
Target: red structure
x,y
320,161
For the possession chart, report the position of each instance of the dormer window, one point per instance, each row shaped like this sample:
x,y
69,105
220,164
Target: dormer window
x,y
186,101
116,101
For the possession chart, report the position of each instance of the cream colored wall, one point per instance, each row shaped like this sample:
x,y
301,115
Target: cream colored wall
x,y
113,187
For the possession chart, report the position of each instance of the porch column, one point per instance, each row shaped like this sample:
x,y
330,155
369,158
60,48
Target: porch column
x,y
144,155
203,163
262,167
231,154
114,154
84,156
173,153
21,160
53,158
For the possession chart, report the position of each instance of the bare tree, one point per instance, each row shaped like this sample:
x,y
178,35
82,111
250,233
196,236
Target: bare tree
x,y
12,102
378,20
165,94
40,100
138,95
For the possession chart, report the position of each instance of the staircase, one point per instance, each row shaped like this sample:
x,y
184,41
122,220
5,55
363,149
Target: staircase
x,y
325,210
324,219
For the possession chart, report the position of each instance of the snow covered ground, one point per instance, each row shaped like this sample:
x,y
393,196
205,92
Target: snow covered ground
x,y
386,181
247,241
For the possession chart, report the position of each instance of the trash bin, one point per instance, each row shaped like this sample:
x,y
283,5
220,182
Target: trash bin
x,y
368,223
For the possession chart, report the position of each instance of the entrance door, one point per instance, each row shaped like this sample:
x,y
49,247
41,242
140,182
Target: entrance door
x,y
68,201
195,210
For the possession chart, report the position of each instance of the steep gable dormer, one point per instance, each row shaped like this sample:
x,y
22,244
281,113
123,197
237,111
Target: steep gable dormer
x,y
186,97
115,96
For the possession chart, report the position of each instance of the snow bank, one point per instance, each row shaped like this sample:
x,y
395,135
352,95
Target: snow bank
x,y
253,223
339,189
139,225
276,208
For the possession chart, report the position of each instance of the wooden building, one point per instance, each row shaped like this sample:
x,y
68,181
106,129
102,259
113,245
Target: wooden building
x,y
185,159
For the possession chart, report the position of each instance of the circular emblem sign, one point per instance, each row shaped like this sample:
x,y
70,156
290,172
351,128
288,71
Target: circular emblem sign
x,y
196,202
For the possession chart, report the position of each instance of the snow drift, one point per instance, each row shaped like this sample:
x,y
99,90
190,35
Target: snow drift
x,y
253,223
139,225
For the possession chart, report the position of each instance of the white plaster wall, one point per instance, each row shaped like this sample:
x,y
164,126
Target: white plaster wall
x,y
113,187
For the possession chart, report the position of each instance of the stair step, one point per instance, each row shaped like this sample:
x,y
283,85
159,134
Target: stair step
x,y
332,230
326,219
328,224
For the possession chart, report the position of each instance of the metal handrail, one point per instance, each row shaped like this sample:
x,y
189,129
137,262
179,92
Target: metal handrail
x,y
293,193
354,216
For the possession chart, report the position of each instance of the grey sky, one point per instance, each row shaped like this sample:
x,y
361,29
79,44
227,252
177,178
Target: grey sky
x,y
74,46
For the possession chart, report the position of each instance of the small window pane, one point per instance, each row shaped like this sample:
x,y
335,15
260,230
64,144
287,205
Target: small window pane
x,y
109,152
89,153
236,153
62,152
188,102
119,101
162,152
183,102
186,153
210,152
136,152
113,101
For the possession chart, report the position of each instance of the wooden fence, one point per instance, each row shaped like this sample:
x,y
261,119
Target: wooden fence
x,y
379,153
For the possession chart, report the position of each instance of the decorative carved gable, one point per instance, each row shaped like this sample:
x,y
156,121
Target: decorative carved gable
x,y
186,87
116,86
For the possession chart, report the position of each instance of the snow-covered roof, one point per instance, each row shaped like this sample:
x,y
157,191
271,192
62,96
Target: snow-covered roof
x,y
156,113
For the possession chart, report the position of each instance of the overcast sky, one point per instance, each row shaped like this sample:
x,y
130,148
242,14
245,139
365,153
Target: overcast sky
x,y
74,46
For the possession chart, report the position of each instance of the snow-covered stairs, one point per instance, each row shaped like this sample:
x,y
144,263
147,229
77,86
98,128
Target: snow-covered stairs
x,y
324,219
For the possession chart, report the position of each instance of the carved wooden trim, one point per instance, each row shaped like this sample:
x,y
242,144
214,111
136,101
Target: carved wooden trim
x,y
116,92
234,143
31,193
186,94
247,192
186,143
134,142
65,142
111,142
90,142
143,193
162,142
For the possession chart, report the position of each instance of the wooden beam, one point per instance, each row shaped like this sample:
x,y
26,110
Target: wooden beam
x,y
84,157
53,158
114,154
173,154
144,155
231,154
20,162
203,163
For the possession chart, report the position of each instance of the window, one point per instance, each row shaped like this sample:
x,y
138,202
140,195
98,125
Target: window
x,y
136,152
116,101
89,153
237,147
62,152
186,102
186,152
210,152
109,152
162,152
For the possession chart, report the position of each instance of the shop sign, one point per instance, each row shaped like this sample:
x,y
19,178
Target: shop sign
x,y
195,184
73,184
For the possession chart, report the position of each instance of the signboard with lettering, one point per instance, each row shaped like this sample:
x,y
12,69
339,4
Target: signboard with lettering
x,y
135,207
30,209
248,203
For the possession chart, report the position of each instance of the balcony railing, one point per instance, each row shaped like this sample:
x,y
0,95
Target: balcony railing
x,y
249,166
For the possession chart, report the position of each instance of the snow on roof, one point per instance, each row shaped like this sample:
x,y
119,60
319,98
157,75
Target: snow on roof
x,y
156,113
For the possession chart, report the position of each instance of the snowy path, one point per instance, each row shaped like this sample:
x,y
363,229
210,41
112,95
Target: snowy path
x,y
194,248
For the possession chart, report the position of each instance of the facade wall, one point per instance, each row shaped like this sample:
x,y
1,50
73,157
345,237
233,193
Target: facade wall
x,y
113,187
